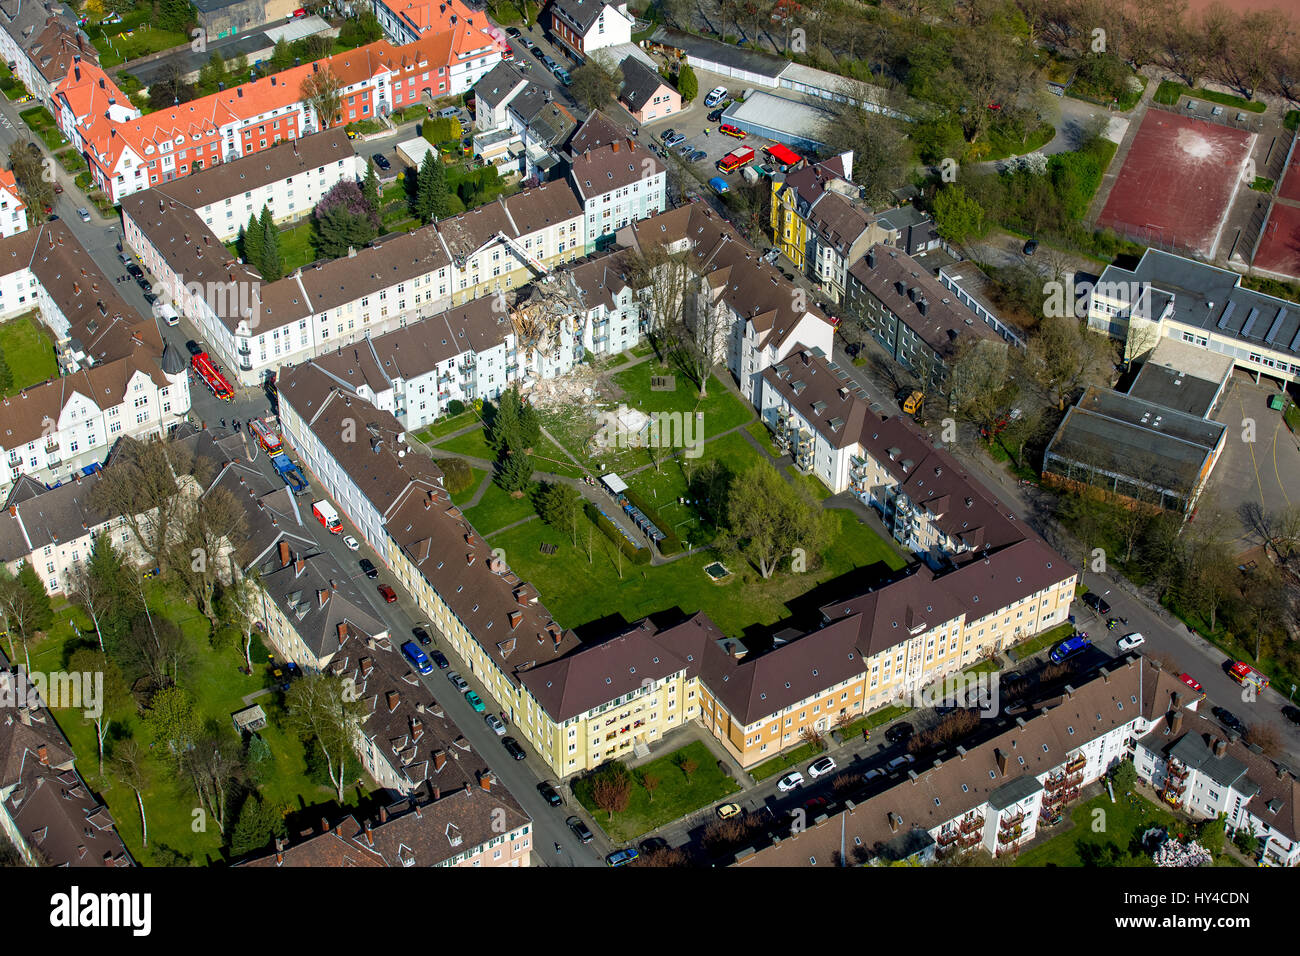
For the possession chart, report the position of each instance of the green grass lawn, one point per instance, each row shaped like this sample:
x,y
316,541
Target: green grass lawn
x,y
1001,146
770,768
1124,821
464,496
1045,640
218,687
297,246
674,797
498,509
72,161
28,352
446,425
131,39
877,718
760,432
472,443
38,118
578,590
1168,92
549,457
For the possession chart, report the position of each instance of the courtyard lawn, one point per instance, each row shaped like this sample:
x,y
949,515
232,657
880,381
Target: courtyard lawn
x,y
472,443
131,39
218,688
816,489
498,508
781,763
464,496
27,352
675,796
445,426
1042,641
549,457
764,437
721,409
297,246
578,590
1125,821
877,718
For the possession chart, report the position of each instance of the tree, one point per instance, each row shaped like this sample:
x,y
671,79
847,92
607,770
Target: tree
x,y
28,165
976,380
42,611
650,783
594,84
688,84
344,220
258,823
250,242
687,765
281,56
958,217
271,266
320,91
18,614
172,720
611,790
318,708
503,427
427,185
215,763
662,281
1064,356
128,765
514,470
169,88
155,650
1265,737
559,506
206,528
881,154
370,188
240,605
104,587
768,518
115,694
175,15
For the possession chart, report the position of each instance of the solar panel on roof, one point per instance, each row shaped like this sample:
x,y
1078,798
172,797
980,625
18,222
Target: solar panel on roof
x,y
1276,327
1250,322
1227,314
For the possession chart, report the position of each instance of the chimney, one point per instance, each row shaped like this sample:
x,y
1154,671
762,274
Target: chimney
x,y
923,306
284,554
343,631
1069,692
324,595
1175,700
299,566
324,825
1176,722
43,755
437,794
370,840
485,781
615,145
871,259
1220,746
383,815
393,698
515,618
439,759
1001,760
894,821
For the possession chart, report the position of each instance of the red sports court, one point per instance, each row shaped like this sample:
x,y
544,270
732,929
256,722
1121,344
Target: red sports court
x,y
1279,248
1290,188
1178,181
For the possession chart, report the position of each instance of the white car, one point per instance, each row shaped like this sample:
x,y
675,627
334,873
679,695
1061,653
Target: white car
x,y
790,781
494,722
716,96
820,767
350,542
1130,641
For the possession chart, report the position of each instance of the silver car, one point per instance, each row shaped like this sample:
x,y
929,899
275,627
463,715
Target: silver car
x,y
457,681
493,721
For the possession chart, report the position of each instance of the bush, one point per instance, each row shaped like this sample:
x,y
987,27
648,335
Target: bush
x,y
457,476
455,407
610,530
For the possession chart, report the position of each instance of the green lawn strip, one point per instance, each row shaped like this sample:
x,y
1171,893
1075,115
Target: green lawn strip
x,y
445,426
28,352
722,410
1126,820
770,768
1001,146
472,443
38,118
764,437
73,163
878,718
675,796
811,484
464,496
549,457
1043,641
218,688
497,509
578,590
1168,92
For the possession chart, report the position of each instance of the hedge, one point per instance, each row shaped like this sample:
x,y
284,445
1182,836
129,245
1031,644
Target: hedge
x,y
457,476
670,544
634,554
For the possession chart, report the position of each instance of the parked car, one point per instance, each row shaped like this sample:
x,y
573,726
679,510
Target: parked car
x,y
1191,682
716,96
475,701
457,681
351,543
1291,713
821,767
440,660
151,298
580,829
899,732
419,660
790,781
145,285
771,256
549,794
58,189
1228,719
493,721
1031,247
899,762
726,129
449,111
562,75
422,635
382,161
194,348
685,149
715,116
513,33
1131,641
622,857
134,271
816,804
671,138
84,214
654,844
872,774
368,568
697,155
729,810
1095,602
387,593
513,748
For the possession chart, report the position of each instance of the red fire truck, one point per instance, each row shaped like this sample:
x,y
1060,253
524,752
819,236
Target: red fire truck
x,y
207,370
266,436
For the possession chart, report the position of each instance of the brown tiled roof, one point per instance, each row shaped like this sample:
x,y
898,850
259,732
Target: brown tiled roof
x,y
596,130
822,393
606,168
335,846
418,833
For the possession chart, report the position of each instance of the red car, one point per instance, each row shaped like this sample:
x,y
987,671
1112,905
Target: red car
x,y
1191,682
728,130
387,593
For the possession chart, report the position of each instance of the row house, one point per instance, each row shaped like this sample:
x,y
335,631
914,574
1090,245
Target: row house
x,y
41,40
617,184
995,795
587,25
1203,772
13,211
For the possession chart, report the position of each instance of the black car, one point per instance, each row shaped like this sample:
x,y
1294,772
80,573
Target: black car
x,y
194,348
513,748
1228,719
422,635
513,33
145,285
1291,713
580,829
852,349
439,660
1031,247
1095,602
134,270
715,116
653,844
150,297
899,732
368,567
382,162
549,794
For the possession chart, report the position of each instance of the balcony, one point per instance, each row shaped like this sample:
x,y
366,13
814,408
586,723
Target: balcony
x,y
971,825
245,350
444,378
1076,763
1007,837
1012,821
947,838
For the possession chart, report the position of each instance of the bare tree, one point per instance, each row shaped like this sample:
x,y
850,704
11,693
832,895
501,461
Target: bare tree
x,y
115,692
611,792
214,764
320,91
241,602
663,282
143,487
156,650
318,707
1063,356
128,763
20,613
205,529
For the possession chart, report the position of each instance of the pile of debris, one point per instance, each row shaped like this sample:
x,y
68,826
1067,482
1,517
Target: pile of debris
x,y
1173,853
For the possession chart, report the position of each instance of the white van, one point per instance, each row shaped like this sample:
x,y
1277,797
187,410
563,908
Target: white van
x,y
168,314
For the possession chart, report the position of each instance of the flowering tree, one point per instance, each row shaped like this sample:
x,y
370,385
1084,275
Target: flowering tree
x,y
344,218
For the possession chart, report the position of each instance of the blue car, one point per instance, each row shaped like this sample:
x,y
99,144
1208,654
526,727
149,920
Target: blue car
x,y
475,701
419,660
719,185
1069,647
622,857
